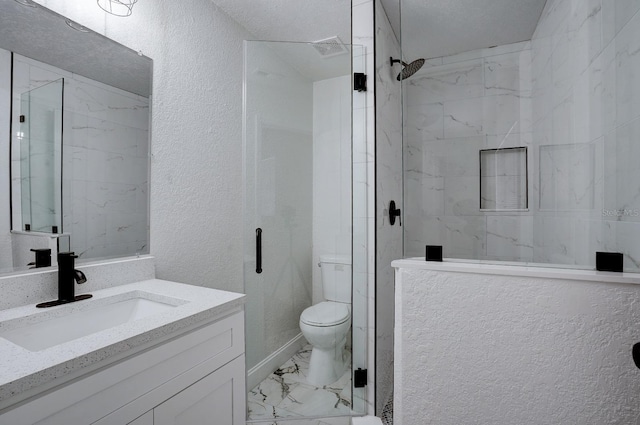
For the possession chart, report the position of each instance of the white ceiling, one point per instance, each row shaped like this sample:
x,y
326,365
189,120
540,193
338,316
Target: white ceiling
x,y
431,28
437,28
291,20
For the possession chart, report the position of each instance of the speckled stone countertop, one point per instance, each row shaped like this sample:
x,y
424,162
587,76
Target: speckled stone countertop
x,y
22,370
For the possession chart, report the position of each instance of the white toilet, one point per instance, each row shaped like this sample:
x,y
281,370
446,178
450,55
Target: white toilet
x,y
326,324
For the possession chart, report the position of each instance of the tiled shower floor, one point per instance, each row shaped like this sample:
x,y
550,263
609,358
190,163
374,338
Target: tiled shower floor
x,y
286,394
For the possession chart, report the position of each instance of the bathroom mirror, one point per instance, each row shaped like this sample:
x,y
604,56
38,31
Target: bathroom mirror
x,y
77,108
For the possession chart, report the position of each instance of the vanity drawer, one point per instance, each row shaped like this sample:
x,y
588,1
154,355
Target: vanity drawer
x,y
186,357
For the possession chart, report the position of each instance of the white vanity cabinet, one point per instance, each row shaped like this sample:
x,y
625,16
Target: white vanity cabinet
x,y
191,377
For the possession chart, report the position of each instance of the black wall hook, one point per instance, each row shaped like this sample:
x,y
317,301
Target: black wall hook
x,y
393,213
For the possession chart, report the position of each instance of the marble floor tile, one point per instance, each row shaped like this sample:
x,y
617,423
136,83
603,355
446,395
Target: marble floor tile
x,y
286,393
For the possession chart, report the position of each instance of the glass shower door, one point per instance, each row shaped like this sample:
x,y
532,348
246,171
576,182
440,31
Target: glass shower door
x,y
297,208
40,158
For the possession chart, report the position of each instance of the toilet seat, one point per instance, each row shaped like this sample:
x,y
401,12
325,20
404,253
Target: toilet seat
x,y
325,314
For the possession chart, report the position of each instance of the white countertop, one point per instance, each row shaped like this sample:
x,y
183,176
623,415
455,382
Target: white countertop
x,y
23,371
515,269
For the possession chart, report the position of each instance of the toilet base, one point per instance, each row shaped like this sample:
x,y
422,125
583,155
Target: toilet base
x,y
326,366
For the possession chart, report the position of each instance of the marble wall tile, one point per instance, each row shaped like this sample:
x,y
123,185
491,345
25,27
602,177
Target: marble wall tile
x,y
616,14
566,240
510,237
463,118
424,122
508,73
455,157
447,82
427,196
627,70
554,17
462,196
622,196
627,236
389,186
567,177
507,113
464,236
571,96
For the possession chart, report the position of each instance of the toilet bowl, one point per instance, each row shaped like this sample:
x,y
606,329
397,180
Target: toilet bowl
x,y
326,325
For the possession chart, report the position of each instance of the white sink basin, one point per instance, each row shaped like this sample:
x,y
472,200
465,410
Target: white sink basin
x,y
44,330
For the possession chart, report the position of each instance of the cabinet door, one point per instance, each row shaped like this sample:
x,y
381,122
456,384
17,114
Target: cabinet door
x,y
146,419
218,398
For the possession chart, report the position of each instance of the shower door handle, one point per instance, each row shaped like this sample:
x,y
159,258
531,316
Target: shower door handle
x,y
393,213
258,250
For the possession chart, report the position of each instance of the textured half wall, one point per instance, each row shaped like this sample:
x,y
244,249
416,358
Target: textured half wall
x,y
486,349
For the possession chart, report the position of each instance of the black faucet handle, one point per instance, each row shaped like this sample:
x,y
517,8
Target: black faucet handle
x,y
43,257
79,277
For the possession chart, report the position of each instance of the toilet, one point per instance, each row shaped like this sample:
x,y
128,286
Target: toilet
x,y
325,325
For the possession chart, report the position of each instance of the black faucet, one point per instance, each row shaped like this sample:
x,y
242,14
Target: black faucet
x,y
67,278
43,258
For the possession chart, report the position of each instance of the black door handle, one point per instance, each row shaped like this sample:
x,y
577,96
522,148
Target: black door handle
x,y
258,250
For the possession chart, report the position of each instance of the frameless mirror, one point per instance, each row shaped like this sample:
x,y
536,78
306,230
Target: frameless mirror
x,y
75,120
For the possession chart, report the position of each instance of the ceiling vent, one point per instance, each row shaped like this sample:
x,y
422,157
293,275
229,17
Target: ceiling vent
x,y
330,47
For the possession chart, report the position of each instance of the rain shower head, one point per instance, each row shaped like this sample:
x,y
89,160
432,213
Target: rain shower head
x,y
408,69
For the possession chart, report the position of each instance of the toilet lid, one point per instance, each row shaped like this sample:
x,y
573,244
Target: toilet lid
x,y
326,313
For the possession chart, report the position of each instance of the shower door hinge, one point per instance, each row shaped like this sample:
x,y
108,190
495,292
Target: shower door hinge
x,y
359,81
359,378
22,118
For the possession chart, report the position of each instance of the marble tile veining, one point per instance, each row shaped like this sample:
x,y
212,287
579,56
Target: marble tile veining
x,y
287,394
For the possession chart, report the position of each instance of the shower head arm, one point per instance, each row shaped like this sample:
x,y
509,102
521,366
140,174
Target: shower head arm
x,y
394,61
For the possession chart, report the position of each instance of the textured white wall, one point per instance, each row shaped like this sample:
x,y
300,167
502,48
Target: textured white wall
x,y
196,165
388,187
487,349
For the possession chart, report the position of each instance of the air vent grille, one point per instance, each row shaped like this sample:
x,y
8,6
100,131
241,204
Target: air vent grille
x,y
330,47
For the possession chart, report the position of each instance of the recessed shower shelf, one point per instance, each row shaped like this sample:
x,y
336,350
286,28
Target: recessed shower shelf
x,y
503,180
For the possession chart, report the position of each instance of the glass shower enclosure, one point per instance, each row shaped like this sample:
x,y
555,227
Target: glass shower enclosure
x,y
298,126
40,137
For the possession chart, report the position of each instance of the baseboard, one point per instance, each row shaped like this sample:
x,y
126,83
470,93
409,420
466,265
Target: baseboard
x,y
259,372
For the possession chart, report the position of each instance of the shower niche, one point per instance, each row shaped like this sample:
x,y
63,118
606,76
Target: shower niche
x,y
504,179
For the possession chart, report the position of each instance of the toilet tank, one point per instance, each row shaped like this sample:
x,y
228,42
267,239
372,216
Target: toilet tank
x,y
336,277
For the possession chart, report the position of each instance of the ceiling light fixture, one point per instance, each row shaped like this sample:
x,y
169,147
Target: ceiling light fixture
x,y
117,7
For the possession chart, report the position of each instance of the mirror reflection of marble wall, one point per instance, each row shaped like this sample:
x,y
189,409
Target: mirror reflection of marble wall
x,y
104,157
105,147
